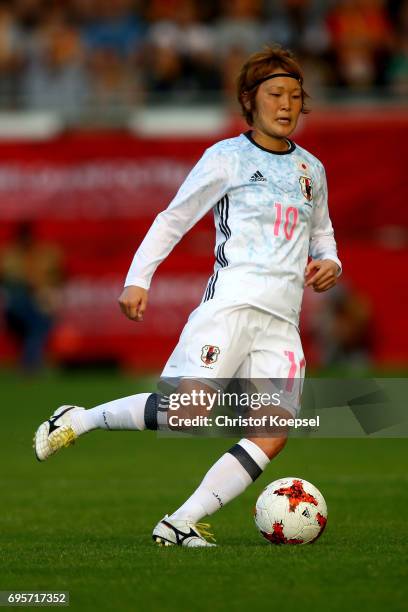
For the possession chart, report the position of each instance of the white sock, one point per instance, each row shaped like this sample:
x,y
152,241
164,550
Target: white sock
x,y
226,479
124,413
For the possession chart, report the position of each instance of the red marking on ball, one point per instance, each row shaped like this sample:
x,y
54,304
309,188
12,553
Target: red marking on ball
x,y
322,520
277,536
296,494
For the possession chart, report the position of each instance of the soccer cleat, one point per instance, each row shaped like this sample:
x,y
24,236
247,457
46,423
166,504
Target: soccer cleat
x,y
172,532
56,433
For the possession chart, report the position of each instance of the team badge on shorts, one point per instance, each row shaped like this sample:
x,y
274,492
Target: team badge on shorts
x,y
209,354
306,187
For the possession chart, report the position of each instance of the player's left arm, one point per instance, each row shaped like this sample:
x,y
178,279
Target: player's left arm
x,y
325,267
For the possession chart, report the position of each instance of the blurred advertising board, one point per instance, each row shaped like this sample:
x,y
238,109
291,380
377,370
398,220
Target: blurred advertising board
x,y
94,195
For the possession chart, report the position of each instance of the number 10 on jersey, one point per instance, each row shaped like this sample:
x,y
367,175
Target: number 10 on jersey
x,y
289,221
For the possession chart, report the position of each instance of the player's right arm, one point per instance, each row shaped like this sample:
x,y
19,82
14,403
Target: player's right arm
x,y
206,184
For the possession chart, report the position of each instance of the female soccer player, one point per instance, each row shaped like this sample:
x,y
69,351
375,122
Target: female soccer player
x,y
269,198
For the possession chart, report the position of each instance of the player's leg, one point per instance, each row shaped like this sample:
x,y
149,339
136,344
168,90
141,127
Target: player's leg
x,y
279,348
277,368
234,471
143,410
135,412
227,332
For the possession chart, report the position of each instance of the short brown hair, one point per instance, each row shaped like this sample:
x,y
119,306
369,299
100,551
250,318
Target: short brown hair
x,y
258,66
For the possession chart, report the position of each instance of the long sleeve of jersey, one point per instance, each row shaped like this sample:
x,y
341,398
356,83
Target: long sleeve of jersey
x,y
202,189
322,244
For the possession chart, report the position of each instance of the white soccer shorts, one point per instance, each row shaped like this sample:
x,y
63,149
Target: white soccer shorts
x,y
224,341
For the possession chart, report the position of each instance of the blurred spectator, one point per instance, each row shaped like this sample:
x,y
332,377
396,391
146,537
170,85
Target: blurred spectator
x,y
397,72
298,24
30,276
181,53
28,13
54,76
112,34
162,10
11,55
231,65
238,32
163,71
114,84
239,27
361,37
343,328
301,26
103,55
113,26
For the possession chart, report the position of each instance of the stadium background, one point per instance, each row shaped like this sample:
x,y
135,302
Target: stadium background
x,y
107,105
104,107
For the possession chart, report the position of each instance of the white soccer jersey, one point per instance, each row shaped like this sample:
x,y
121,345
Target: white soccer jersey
x,y
270,213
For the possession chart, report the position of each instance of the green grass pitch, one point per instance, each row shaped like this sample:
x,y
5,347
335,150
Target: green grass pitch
x,y
82,521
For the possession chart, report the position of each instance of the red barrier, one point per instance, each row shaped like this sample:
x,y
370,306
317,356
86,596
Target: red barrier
x,y
96,195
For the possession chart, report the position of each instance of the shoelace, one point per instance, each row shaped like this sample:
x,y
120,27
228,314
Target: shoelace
x,y
203,530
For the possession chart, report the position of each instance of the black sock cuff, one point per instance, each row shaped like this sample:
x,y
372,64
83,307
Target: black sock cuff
x,y
156,408
245,459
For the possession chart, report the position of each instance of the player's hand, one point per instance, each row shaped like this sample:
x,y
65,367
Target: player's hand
x,y
321,274
133,302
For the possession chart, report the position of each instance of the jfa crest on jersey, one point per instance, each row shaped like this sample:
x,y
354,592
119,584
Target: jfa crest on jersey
x,y
306,186
209,354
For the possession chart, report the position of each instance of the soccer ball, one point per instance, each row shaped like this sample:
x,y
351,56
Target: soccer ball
x,y
291,511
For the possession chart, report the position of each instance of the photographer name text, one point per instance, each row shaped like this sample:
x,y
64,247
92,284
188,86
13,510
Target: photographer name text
x,y
240,421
